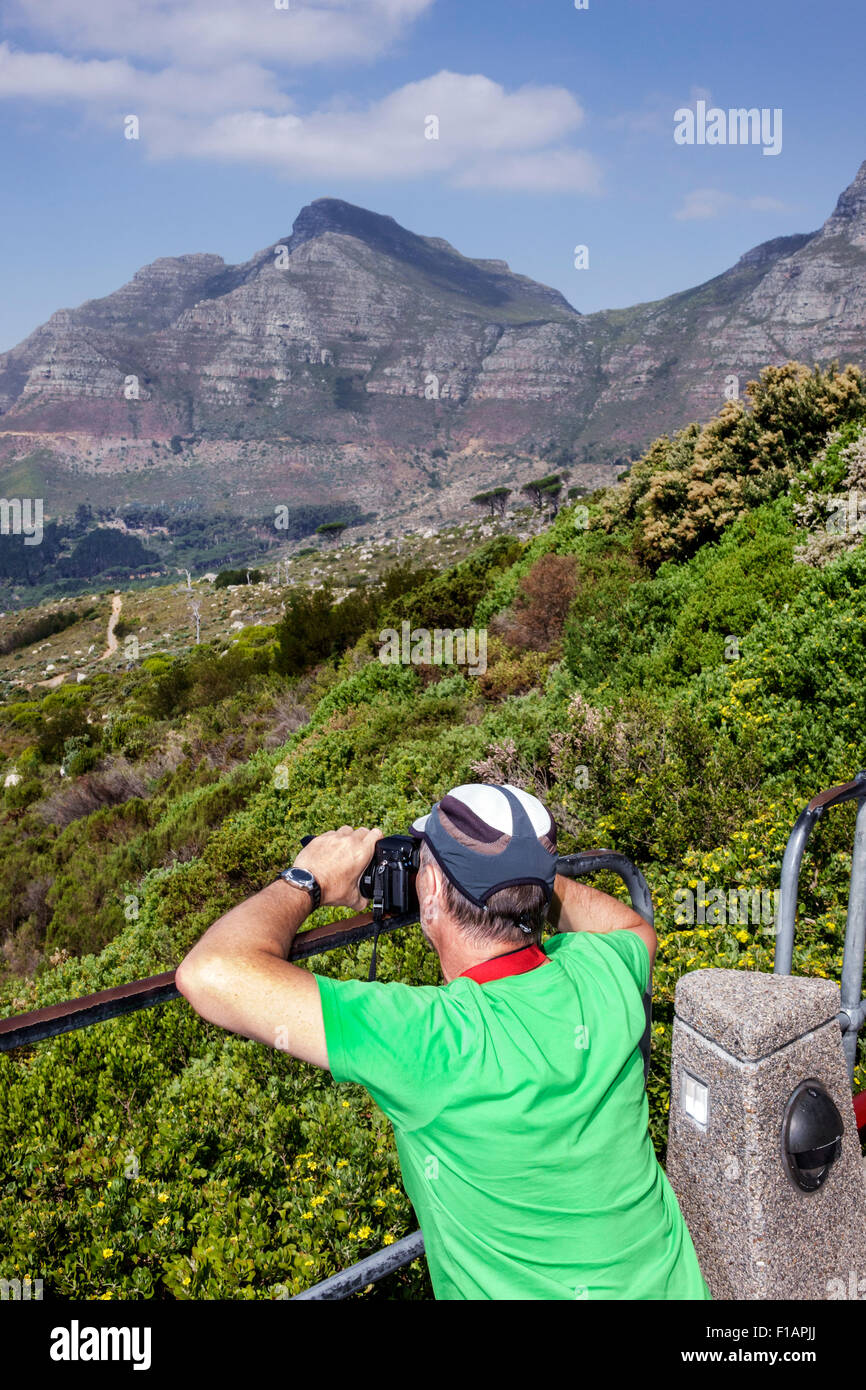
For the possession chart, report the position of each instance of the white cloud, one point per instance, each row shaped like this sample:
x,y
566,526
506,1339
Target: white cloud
x,y
487,137
206,78
477,118
103,83
705,203
200,33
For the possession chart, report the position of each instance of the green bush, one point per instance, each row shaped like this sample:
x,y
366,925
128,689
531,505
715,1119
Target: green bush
x,y
78,755
61,716
228,577
685,491
36,629
450,600
23,793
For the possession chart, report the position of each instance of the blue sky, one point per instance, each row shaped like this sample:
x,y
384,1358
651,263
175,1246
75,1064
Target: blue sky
x,y
556,128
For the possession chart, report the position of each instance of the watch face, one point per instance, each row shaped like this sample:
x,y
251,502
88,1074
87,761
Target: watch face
x,y
302,877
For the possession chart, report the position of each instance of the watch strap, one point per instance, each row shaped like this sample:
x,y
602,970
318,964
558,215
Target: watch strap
x,y
313,889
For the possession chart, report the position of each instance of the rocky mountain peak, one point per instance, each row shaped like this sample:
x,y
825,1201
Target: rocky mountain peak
x,y
849,215
488,282
333,215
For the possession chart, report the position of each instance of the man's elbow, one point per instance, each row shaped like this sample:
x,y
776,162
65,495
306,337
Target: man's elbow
x,y
200,980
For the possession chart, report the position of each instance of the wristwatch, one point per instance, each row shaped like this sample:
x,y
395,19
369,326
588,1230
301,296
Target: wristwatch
x,y
302,878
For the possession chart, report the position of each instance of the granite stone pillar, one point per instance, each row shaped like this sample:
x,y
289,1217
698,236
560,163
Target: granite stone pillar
x,y
742,1043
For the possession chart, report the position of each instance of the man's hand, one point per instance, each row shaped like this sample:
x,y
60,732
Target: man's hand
x,y
337,859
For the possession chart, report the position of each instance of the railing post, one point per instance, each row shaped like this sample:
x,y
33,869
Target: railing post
x,y
788,884
855,942
852,1005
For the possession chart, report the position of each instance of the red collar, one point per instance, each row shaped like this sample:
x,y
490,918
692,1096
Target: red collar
x,y
511,963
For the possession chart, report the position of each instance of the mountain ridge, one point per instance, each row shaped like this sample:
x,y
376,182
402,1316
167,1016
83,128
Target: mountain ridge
x,y
341,355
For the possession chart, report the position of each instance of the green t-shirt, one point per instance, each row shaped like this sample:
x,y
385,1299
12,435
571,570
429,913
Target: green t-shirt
x,y
521,1121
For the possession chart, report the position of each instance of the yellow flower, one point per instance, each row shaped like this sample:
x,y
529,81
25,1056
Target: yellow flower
x,y
345,1104
186,1280
388,1239
107,1252
342,1163
378,1203
105,1296
319,1199
364,1232
163,1197
306,1216
163,1221
742,936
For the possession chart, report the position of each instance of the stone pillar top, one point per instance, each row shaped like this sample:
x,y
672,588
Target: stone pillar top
x,y
750,1014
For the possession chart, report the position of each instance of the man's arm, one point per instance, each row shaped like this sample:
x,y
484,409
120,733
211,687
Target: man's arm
x,y
577,907
238,975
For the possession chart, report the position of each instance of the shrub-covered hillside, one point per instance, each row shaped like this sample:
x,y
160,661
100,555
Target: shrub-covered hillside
x,y
675,667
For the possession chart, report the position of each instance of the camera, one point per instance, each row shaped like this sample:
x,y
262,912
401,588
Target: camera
x,y
389,878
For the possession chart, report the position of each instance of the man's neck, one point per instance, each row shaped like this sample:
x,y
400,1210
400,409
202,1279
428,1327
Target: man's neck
x,y
456,960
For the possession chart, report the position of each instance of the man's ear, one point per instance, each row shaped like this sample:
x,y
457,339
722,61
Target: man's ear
x,y
426,879
430,879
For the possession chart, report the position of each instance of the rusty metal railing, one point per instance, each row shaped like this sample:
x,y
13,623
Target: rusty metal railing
x,y
22,1030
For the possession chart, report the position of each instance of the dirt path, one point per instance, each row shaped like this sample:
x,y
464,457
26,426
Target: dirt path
x,y
116,605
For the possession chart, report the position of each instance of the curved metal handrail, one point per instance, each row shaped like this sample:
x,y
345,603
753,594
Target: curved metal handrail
x,y
852,1004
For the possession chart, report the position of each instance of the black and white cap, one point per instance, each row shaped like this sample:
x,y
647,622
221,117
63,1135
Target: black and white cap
x,y
486,838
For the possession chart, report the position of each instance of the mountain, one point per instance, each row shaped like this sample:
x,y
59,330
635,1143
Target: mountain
x,y
347,359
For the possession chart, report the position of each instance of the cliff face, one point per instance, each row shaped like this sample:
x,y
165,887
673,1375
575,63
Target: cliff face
x,y
301,339
354,337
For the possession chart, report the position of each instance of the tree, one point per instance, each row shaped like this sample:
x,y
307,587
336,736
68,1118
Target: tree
x,y
544,491
195,610
313,628
495,498
331,530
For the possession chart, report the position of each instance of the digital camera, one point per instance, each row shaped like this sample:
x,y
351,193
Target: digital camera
x,y
389,878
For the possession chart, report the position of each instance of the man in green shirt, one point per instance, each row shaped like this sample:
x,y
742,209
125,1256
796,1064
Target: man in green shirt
x,y
516,1089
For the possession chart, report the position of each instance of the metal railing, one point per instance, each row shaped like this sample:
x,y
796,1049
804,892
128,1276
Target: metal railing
x,y
852,1003
22,1030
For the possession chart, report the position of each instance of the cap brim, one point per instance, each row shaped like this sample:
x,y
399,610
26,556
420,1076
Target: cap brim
x,y
417,826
